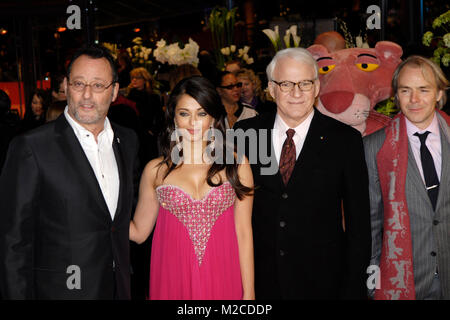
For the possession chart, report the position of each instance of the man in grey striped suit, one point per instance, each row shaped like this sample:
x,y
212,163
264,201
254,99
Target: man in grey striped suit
x,y
409,176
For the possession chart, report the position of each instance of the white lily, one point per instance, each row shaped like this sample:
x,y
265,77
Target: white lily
x,y
273,36
194,45
287,39
174,55
359,42
225,51
243,51
295,37
161,43
297,40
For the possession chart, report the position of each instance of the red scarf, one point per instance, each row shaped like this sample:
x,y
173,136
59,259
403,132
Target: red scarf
x,y
396,263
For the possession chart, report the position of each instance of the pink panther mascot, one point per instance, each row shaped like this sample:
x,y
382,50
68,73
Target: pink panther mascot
x,y
353,81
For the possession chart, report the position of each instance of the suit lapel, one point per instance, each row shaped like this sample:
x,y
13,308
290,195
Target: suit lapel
x,y
118,153
444,186
77,159
413,177
271,180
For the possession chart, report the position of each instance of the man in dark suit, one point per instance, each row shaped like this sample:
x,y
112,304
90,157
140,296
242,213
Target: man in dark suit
x,y
303,250
66,196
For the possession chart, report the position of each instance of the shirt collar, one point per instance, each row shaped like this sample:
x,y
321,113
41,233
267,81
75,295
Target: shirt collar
x,y
301,129
411,128
80,131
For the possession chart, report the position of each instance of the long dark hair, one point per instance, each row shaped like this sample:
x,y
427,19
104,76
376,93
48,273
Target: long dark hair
x,y
43,95
203,91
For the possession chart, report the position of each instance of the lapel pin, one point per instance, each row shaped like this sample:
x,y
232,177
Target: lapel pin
x,y
118,140
321,137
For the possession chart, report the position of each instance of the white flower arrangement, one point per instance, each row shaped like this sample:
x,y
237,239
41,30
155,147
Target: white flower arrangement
x,y
139,54
292,31
112,48
274,37
242,54
173,55
350,41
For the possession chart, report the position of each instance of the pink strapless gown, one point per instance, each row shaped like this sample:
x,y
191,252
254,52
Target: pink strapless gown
x,y
194,250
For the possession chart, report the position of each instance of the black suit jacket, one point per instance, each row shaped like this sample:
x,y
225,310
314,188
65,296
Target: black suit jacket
x,y
301,249
53,216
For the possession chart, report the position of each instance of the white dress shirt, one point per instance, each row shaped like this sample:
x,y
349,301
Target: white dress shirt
x,y
279,135
433,143
102,159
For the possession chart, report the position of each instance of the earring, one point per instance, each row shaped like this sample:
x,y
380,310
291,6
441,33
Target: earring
x,y
177,139
208,156
213,138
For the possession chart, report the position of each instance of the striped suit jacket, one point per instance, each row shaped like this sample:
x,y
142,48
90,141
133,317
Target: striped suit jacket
x,y
430,230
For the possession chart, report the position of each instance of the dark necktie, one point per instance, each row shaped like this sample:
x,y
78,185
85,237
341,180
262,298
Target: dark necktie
x,y
429,171
288,157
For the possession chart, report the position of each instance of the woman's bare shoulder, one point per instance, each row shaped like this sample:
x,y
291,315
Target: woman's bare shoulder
x,y
154,171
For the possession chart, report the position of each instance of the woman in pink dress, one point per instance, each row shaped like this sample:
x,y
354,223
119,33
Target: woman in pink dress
x,y
202,244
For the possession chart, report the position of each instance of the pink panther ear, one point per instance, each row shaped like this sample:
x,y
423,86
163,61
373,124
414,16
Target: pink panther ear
x,y
387,50
318,50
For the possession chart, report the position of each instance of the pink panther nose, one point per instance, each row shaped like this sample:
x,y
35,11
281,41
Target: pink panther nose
x,y
337,102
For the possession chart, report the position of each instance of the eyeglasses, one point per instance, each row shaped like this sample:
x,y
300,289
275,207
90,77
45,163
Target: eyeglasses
x,y
96,86
231,86
288,86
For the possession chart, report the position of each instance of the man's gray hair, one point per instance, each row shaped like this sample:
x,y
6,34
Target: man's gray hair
x,y
299,54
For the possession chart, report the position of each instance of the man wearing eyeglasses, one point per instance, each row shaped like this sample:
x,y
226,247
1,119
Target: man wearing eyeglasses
x,y
67,194
303,249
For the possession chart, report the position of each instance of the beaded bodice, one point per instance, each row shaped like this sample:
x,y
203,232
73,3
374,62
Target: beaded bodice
x,y
198,216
